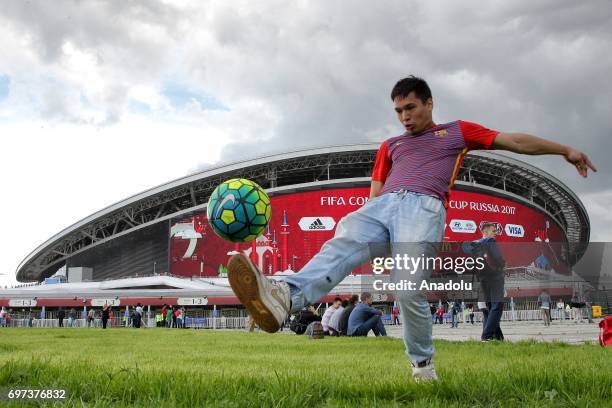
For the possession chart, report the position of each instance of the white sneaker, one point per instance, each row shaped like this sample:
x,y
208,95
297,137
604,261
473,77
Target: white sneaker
x,y
425,373
267,300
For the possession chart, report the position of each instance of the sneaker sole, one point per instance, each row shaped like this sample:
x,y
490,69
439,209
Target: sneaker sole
x,y
243,281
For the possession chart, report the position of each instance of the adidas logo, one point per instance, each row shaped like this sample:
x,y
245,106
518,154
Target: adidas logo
x,y
316,225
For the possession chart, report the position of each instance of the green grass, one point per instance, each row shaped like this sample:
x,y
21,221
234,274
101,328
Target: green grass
x,y
160,367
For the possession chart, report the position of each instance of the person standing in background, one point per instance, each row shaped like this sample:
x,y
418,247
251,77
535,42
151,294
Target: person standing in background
x,y
106,310
545,301
395,312
471,313
60,316
71,317
560,309
91,314
3,317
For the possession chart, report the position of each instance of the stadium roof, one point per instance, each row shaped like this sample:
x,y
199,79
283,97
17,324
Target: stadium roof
x,y
309,169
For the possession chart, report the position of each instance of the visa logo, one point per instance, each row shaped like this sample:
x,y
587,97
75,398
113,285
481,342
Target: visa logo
x,y
514,230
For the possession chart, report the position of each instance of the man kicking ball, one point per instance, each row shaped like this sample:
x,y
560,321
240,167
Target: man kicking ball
x,y
411,181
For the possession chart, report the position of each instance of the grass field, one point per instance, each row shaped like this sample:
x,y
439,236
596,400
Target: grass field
x,y
160,367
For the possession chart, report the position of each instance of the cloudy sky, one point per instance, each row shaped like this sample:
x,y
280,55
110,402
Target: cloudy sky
x,y
103,99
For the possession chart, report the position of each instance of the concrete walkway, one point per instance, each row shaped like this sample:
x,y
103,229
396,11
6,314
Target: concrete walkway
x,y
569,332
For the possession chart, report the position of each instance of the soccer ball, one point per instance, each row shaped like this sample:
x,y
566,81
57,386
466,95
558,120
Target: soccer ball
x,y
238,210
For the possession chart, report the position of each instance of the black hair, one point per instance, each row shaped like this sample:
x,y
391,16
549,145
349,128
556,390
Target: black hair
x,y
337,299
405,86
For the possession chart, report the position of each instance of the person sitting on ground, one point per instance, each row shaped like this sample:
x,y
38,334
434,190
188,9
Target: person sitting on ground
x,y
344,316
329,313
334,330
303,318
364,318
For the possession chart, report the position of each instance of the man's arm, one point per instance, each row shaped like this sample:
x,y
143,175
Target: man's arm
x,y
527,144
374,311
382,167
375,188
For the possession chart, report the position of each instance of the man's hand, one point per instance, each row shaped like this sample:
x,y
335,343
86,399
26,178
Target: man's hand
x,y
527,144
580,160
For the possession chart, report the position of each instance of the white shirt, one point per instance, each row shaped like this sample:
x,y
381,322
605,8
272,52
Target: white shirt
x,y
329,312
335,319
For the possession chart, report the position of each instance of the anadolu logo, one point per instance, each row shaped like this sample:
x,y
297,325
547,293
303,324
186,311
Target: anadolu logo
x,y
514,230
317,223
463,226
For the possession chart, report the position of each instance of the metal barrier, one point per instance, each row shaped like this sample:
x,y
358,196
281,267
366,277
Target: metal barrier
x,y
223,323
235,323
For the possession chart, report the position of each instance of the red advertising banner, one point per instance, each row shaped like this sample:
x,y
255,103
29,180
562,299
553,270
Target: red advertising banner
x,y
302,222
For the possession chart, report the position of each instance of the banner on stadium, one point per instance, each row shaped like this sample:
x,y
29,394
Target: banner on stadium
x,y
312,218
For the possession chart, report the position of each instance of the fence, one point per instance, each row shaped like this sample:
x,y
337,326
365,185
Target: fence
x,y
192,323
522,315
234,323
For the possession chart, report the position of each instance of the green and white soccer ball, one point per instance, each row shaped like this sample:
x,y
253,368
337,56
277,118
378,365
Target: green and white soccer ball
x,y
239,210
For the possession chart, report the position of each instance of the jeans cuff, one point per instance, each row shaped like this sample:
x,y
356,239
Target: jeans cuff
x,y
297,298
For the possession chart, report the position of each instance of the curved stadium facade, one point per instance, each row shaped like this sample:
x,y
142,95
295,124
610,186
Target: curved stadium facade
x,y
163,230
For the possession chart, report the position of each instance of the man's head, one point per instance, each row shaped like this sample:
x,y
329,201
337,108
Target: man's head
x,y
366,297
354,299
489,230
413,104
337,302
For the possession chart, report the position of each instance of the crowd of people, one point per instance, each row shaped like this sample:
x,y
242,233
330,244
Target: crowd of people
x,y
132,317
346,317
171,317
576,309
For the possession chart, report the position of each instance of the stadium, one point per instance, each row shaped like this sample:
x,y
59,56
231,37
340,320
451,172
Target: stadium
x,y
156,246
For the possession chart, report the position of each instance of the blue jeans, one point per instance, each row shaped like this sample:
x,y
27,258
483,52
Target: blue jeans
x,y
493,292
375,324
402,217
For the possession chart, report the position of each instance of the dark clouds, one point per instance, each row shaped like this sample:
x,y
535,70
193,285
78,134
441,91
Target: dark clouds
x,y
320,73
541,68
